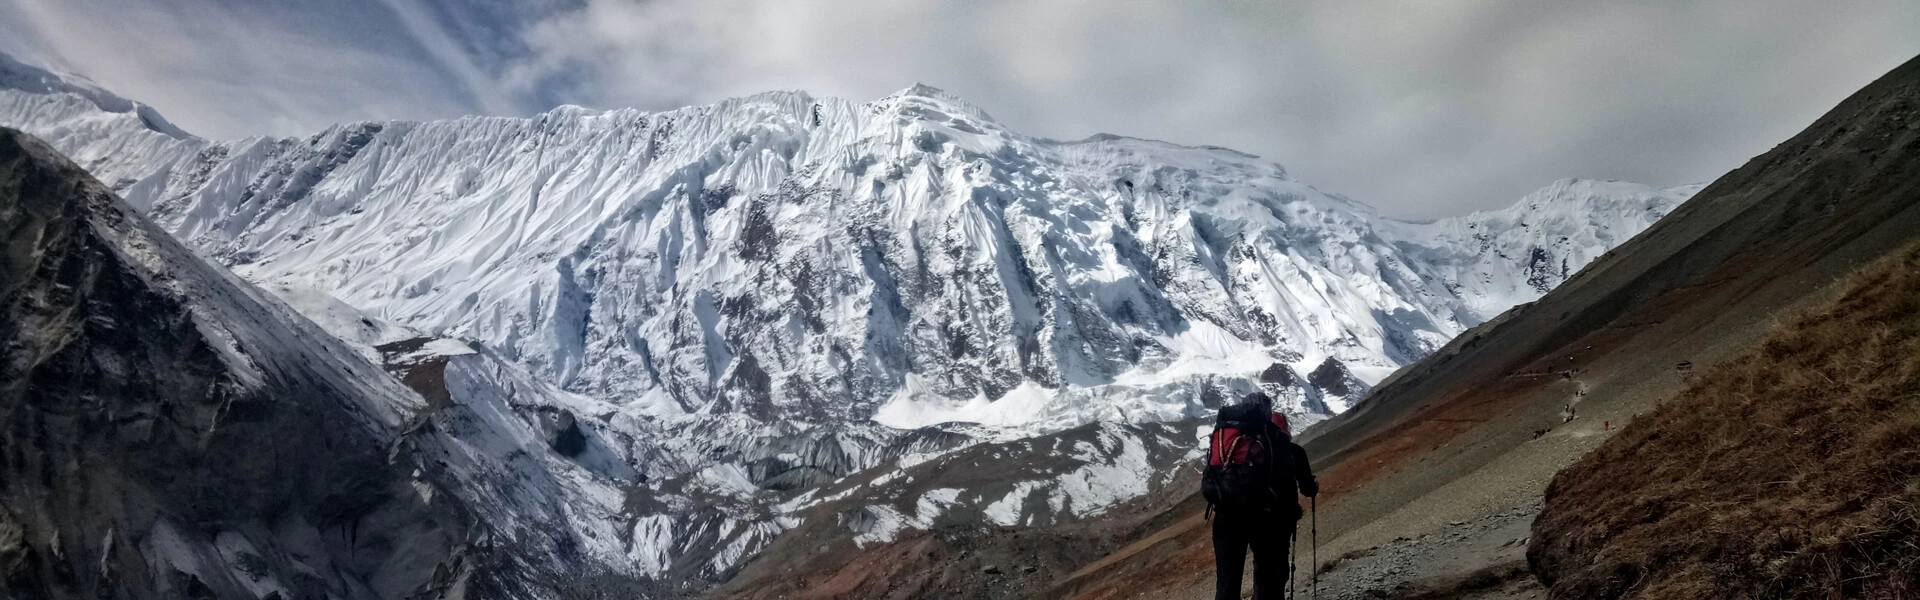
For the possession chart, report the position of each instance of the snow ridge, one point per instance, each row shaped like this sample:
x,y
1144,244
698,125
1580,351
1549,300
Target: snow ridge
x,y
797,258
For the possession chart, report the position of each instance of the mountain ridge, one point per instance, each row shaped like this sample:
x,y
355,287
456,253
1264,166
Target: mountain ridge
x,y
1174,226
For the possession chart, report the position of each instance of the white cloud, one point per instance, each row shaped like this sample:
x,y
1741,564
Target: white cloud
x,y
1424,108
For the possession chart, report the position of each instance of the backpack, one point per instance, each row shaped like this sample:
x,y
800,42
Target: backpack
x,y
1248,466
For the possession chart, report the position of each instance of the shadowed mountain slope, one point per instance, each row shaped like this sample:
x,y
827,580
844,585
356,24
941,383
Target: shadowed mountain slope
x,y
168,431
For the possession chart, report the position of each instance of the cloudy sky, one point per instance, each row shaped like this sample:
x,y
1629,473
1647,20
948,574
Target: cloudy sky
x,y
1421,107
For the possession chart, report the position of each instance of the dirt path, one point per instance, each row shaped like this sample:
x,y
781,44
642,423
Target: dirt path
x,y
1483,557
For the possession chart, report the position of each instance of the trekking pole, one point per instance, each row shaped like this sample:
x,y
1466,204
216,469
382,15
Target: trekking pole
x,y
1293,568
1315,502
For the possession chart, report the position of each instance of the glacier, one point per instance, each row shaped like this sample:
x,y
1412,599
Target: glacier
x,y
675,335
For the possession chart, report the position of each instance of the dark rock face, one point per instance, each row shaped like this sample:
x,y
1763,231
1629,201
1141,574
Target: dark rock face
x,y
166,432
1278,374
425,377
563,432
1332,377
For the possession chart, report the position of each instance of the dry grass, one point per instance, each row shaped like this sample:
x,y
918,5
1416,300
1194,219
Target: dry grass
x,y
1792,471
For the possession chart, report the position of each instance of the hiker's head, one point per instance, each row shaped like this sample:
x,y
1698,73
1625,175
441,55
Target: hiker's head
x,y
1260,399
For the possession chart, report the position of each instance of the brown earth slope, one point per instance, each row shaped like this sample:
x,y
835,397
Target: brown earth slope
x,y
1792,471
1476,430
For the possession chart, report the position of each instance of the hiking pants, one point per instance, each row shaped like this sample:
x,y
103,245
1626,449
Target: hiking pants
x,y
1267,533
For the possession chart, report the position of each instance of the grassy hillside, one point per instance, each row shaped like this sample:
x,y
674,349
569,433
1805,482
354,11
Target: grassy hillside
x,y
1792,471
1475,433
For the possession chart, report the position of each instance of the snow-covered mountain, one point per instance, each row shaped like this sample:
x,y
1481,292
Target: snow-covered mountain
x,y
673,336
906,260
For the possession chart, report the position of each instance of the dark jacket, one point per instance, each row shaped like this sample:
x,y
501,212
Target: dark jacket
x,y
1302,475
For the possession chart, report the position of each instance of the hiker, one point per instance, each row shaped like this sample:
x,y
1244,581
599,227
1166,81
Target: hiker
x,y
1253,477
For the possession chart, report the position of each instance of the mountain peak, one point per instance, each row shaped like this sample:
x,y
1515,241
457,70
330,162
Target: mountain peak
x,y
18,75
921,89
945,100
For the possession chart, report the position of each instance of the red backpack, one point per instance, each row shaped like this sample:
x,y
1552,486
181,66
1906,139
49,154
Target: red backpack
x,y
1244,460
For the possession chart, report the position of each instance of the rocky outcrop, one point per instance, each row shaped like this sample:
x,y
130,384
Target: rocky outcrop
x,y
167,431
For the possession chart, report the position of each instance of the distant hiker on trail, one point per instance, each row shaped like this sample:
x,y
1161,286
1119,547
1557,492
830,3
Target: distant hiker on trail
x,y
1253,477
